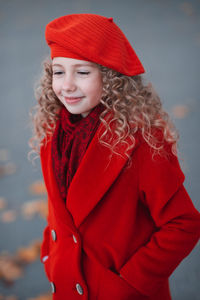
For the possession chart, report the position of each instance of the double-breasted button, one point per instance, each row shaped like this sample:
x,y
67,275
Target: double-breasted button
x,y
45,258
53,235
53,288
75,239
79,289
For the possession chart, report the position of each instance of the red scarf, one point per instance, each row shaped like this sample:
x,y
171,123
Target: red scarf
x,y
71,137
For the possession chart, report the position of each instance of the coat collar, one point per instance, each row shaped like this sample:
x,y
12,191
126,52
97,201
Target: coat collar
x,y
94,176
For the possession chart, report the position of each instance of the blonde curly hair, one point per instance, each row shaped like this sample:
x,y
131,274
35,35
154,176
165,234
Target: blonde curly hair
x,y
134,107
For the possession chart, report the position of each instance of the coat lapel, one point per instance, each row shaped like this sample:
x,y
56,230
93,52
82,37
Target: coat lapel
x,y
95,175
93,178
62,215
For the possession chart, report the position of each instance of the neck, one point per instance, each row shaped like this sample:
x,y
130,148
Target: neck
x,y
85,114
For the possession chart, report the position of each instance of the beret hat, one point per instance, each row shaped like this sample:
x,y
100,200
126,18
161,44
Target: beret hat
x,y
92,38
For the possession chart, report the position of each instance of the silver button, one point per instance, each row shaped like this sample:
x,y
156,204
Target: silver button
x,y
53,288
53,235
79,289
74,238
45,258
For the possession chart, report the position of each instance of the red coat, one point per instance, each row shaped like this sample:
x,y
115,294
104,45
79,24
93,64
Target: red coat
x,y
122,231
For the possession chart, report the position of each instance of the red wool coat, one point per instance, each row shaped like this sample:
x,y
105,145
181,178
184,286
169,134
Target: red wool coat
x,y
122,231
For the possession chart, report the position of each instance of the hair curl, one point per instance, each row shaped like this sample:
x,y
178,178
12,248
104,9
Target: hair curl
x,y
133,106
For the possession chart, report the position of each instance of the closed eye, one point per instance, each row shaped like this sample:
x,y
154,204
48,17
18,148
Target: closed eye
x,y
57,73
83,73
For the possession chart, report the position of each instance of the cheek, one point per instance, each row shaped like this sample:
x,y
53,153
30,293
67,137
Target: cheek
x,y
99,84
55,86
97,87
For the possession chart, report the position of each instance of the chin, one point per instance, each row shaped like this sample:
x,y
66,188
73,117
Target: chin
x,y
74,111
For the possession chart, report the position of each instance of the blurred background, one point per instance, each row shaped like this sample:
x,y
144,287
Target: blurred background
x,y
166,36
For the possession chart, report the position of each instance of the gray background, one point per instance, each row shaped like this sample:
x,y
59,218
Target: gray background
x,y
166,37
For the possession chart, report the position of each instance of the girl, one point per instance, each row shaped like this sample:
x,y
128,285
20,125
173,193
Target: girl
x,y
120,220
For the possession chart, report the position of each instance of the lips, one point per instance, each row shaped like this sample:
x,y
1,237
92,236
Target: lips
x,y
71,100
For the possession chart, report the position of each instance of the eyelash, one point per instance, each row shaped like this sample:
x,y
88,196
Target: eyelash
x,y
57,73
81,73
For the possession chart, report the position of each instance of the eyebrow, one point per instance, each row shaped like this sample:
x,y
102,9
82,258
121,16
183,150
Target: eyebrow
x,y
76,65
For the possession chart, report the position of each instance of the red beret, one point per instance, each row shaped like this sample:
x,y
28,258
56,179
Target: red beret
x,y
93,38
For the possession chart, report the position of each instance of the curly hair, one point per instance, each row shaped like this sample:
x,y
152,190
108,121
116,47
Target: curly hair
x,y
132,105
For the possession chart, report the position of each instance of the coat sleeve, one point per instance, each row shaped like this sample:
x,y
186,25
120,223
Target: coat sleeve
x,y
176,219
44,251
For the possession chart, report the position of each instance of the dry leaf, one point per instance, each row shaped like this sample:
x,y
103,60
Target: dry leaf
x,y
180,111
187,8
2,205
12,266
8,216
30,253
32,208
4,156
10,270
7,169
38,188
42,297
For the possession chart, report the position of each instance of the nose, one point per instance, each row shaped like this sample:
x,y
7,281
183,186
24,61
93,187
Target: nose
x,y
69,83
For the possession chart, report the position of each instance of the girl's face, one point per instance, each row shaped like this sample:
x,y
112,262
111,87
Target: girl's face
x,y
77,84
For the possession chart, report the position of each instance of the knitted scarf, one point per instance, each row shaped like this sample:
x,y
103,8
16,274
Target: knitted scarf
x,y
71,137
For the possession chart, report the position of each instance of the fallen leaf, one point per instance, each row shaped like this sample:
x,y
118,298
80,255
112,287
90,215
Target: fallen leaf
x,y
2,205
187,8
8,216
4,156
180,111
10,270
42,297
12,266
30,253
7,169
37,188
32,208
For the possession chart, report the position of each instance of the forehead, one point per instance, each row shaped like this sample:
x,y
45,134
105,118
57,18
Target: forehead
x,y
66,61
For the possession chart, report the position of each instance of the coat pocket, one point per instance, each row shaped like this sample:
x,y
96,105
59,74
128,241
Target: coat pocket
x,y
113,286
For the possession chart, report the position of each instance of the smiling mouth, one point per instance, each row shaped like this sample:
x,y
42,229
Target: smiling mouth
x,y
71,100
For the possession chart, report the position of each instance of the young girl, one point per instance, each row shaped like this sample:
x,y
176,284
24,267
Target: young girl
x,y
120,220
